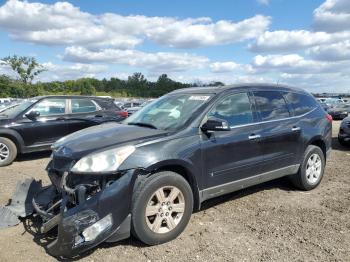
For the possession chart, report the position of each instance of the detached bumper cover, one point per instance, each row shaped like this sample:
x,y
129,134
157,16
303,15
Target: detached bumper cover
x,y
114,200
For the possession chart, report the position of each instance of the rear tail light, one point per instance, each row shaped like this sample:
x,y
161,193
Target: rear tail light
x,y
329,118
122,113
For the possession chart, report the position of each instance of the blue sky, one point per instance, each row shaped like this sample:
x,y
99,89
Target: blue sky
x,y
303,43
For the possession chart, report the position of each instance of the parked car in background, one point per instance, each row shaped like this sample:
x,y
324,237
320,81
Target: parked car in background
x,y
130,104
119,104
331,101
344,132
324,106
36,123
147,175
339,111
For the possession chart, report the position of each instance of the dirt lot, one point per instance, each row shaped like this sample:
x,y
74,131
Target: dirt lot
x,y
267,222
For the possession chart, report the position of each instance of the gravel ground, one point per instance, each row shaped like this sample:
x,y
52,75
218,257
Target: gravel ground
x,y
272,221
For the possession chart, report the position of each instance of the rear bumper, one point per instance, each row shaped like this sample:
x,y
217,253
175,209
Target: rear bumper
x,y
114,201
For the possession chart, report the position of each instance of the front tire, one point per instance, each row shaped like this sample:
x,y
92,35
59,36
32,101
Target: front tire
x,y
8,151
162,207
311,170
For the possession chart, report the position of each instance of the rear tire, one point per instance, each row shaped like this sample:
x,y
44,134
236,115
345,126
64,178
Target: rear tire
x,y
8,151
161,209
343,143
311,170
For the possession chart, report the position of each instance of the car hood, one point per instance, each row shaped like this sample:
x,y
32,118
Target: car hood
x,y
103,136
4,120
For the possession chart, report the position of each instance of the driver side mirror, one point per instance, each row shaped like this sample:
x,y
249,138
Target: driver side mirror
x,y
215,124
33,115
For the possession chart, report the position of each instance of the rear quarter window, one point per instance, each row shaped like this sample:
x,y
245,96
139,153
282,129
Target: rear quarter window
x,y
271,105
300,103
83,106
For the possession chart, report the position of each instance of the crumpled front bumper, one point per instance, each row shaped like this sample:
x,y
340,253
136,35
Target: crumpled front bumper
x,y
114,200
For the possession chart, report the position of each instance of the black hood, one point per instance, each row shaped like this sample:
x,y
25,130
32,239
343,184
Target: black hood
x,y
103,136
4,120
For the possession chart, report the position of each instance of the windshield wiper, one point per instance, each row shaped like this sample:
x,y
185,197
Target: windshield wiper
x,y
142,124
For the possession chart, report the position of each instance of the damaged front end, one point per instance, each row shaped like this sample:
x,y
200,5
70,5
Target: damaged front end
x,y
85,209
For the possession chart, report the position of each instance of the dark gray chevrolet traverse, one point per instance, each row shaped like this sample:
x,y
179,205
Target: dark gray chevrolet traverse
x,y
146,176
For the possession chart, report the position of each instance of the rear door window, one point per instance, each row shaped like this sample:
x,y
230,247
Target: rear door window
x,y
300,103
235,109
83,106
271,105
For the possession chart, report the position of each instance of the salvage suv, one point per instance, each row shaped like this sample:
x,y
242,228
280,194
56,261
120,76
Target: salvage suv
x,y
34,124
147,175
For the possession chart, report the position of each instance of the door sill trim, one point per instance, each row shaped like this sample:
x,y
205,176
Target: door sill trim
x,y
226,188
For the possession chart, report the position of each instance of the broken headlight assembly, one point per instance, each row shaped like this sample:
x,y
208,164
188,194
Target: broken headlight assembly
x,y
103,162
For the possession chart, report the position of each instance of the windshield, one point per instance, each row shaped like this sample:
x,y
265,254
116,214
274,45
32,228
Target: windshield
x,y
14,110
168,112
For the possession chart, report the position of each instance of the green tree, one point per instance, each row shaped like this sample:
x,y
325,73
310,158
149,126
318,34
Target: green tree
x,y
137,81
86,88
26,67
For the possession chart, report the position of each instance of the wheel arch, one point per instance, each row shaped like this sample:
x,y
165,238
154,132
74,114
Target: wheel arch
x,y
184,169
319,142
14,137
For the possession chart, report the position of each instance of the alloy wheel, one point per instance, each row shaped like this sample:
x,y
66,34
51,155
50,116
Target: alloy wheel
x,y
313,169
165,209
4,152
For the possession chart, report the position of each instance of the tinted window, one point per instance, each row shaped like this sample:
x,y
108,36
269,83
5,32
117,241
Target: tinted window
x,y
235,109
83,106
271,105
300,103
49,107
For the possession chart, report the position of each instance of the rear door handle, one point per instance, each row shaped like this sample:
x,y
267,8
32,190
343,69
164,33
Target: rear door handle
x,y
295,128
254,137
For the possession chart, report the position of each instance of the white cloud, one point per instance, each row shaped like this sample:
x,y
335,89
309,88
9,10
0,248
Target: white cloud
x,y
333,16
64,24
223,67
5,69
263,2
334,52
296,64
331,24
332,82
160,61
294,40
189,34
56,72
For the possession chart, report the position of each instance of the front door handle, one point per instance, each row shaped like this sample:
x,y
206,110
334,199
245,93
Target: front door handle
x,y
61,118
295,128
254,137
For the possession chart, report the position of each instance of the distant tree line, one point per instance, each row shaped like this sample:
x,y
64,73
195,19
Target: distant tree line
x,y
136,85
